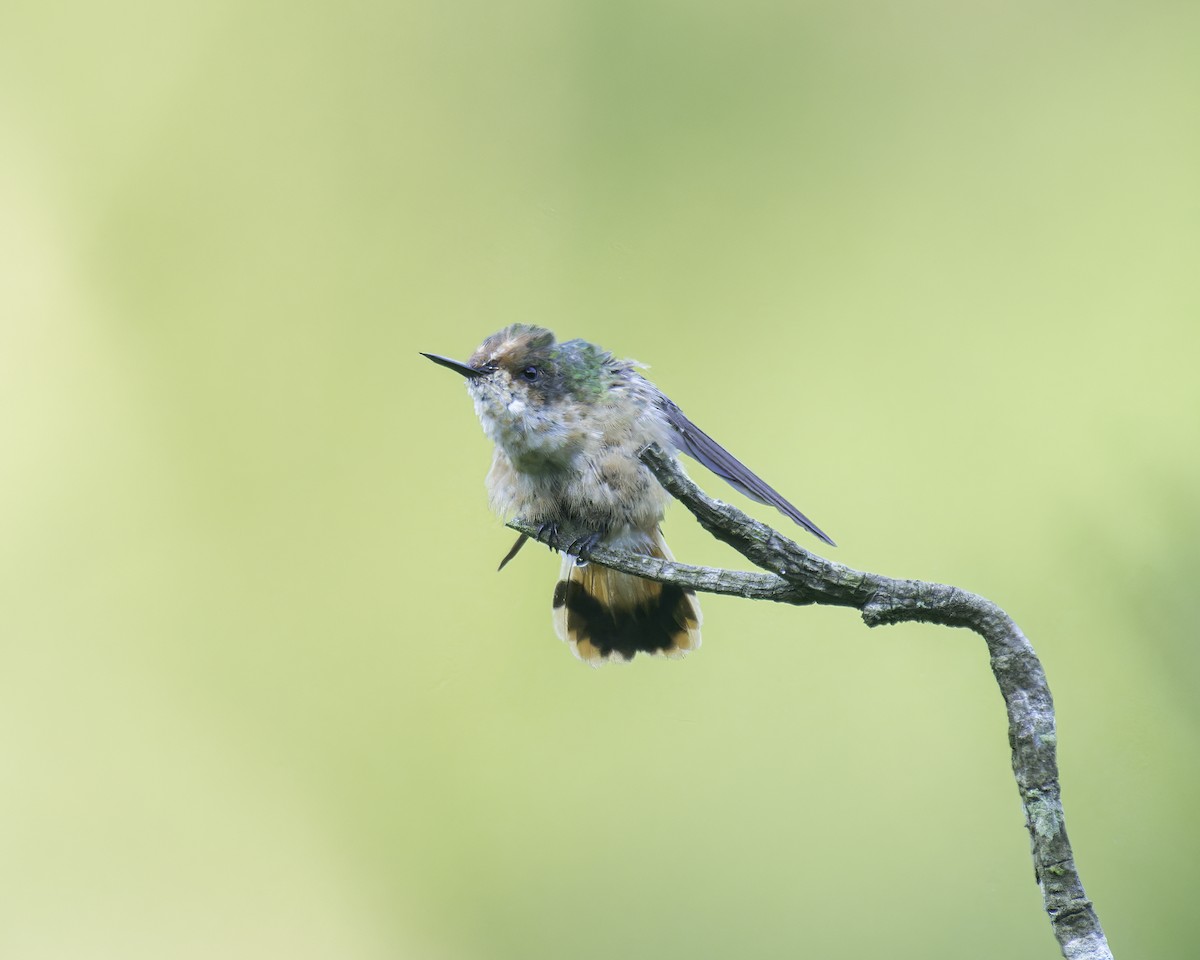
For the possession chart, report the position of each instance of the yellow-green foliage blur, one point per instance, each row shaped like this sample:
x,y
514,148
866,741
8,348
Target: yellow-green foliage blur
x,y
930,268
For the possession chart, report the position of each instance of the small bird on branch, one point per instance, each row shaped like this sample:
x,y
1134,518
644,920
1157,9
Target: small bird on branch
x,y
569,421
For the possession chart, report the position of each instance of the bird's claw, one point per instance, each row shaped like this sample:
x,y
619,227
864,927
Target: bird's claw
x,y
578,547
583,545
548,533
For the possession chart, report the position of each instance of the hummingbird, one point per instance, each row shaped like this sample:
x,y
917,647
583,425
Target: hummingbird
x,y
568,421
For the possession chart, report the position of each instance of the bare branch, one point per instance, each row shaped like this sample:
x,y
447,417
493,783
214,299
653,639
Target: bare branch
x,y
799,577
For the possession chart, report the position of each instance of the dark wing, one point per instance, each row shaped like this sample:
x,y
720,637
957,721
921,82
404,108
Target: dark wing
x,y
696,443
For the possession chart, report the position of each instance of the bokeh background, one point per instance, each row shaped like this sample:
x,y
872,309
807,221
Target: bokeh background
x,y
931,268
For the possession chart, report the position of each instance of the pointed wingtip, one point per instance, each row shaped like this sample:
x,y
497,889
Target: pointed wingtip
x,y
801,520
693,441
821,535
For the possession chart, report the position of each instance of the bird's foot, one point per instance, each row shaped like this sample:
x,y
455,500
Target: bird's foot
x,y
572,542
549,534
581,546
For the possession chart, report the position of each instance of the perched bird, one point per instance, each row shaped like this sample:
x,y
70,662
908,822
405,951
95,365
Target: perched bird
x,y
568,421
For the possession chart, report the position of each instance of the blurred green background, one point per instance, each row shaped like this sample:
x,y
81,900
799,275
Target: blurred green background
x,y
931,268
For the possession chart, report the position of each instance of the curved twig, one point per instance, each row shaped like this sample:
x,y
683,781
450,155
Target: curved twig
x,y
799,577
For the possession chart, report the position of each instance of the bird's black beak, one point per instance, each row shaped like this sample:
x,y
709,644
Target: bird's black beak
x,y
469,372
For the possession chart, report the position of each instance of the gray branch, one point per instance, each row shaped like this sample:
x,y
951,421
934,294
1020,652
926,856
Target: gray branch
x,y
799,577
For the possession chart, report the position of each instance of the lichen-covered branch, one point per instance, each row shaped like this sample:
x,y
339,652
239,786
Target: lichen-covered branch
x,y
796,576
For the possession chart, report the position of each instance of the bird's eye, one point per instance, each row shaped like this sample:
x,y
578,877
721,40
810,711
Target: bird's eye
x,y
531,373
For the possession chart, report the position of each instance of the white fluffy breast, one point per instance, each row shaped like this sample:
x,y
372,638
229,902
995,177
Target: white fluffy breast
x,y
535,439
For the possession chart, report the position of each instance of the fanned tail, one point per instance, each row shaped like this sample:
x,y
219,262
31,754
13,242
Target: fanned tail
x,y
605,615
